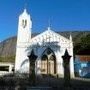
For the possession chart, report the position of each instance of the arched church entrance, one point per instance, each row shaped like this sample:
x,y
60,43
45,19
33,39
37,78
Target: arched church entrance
x,y
48,62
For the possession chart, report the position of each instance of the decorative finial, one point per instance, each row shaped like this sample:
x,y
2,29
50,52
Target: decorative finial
x,y
70,37
49,28
25,7
49,23
25,10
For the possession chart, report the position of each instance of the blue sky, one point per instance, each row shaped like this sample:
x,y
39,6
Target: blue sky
x,y
64,15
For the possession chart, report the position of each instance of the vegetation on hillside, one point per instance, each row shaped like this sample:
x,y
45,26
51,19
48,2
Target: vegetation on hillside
x,y
7,59
82,47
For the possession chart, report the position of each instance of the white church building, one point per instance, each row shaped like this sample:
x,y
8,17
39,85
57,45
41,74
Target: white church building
x,y
49,47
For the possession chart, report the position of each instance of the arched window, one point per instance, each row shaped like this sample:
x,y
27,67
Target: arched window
x,y
44,57
48,62
24,23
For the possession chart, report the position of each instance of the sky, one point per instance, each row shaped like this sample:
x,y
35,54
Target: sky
x,y
63,15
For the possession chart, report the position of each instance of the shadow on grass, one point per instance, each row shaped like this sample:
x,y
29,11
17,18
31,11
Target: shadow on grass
x,y
21,82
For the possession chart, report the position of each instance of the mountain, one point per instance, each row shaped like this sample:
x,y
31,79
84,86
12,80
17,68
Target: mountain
x,y
8,49
8,46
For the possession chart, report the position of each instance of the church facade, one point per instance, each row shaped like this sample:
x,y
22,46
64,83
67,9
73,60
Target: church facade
x,y
49,47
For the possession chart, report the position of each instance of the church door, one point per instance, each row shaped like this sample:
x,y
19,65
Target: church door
x,y
50,67
48,62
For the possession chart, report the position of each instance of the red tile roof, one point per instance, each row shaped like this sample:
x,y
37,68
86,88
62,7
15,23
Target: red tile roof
x,y
83,57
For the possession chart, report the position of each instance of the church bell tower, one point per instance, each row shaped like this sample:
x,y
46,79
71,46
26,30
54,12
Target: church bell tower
x,y
24,27
23,40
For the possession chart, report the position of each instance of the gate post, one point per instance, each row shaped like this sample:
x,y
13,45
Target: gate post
x,y
66,63
32,59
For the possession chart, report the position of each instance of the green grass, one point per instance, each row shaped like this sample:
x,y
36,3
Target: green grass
x,y
7,59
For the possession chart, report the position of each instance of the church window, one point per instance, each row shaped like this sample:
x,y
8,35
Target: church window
x,y
48,62
24,23
44,57
48,51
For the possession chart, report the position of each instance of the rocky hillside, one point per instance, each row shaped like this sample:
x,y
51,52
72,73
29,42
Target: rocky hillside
x,y
8,46
8,49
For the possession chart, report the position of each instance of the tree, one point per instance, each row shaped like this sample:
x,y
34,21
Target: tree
x,y
83,46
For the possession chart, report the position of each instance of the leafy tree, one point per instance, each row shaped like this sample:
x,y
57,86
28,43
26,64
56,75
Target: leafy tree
x,y
83,46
